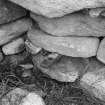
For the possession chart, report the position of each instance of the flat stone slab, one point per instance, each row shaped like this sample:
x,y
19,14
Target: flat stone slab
x,y
69,46
14,29
101,51
76,24
58,8
61,68
10,11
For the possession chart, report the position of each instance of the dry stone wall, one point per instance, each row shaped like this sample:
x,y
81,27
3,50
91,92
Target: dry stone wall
x,y
66,39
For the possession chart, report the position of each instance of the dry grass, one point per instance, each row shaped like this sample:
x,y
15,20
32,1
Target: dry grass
x,y
54,92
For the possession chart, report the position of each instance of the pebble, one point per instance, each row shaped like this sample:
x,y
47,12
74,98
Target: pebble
x,y
58,8
94,79
76,24
101,51
13,30
14,47
63,69
32,48
10,11
32,99
69,46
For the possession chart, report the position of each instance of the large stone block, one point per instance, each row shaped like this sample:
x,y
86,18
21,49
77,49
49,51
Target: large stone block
x,y
61,68
10,11
13,30
76,24
58,8
69,46
94,79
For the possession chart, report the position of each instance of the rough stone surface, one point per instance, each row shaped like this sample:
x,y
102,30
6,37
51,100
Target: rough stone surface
x,y
94,79
101,51
69,46
57,8
32,99
76,24
14,47
10,11
13,30
63,68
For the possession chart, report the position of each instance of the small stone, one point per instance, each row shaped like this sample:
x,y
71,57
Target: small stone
x,y
14,47
58,8
76,24
95,12
94,79
26,66
14,97
13,30
69,46
32,48
64,69
53,56
10,11
101,51
32,99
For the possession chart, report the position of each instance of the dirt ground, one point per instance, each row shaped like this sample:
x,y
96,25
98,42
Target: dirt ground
x,y
53,92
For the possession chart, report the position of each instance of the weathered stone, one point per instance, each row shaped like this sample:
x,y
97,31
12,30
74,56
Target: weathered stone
x,y
13,30
69,46
32,99
58,8
72,25
63,68
10,11
32,48
14,97
101,51
14,47
94,79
